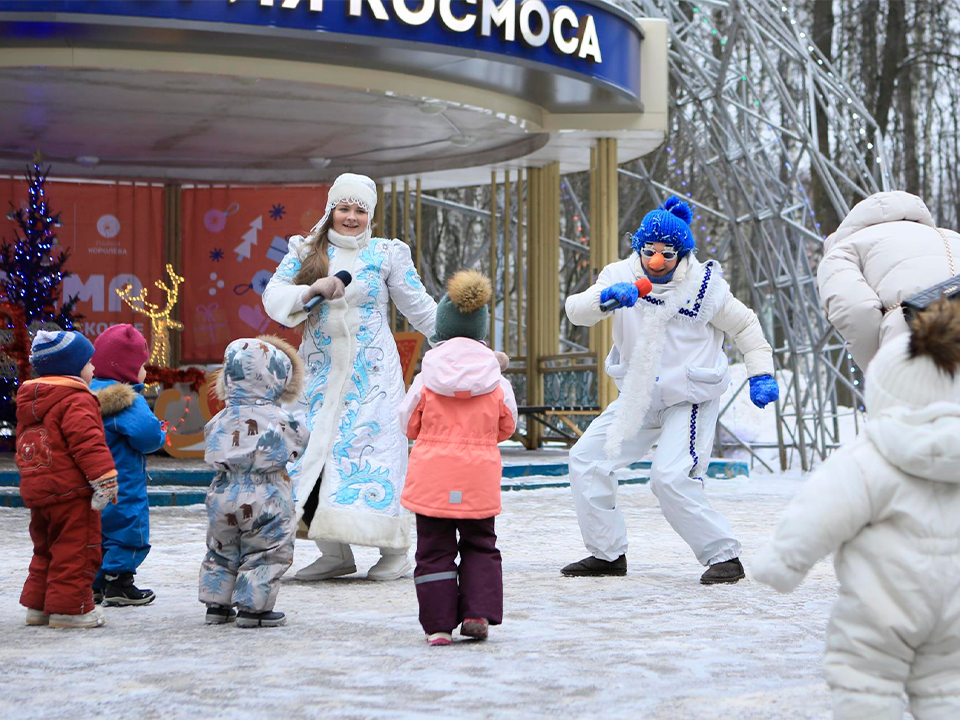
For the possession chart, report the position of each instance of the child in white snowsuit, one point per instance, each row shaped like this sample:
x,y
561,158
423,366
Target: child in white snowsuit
x,y
888,504
669,365
250,501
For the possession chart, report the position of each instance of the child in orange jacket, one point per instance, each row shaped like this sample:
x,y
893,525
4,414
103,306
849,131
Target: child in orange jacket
x,y
457,409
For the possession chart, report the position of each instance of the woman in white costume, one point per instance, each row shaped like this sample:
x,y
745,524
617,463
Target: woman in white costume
x,y
349,480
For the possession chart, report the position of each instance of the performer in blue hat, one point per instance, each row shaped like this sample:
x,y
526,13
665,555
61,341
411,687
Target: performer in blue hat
x,y
668,363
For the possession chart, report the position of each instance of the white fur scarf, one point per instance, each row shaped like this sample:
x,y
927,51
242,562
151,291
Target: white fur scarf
x,y
645,366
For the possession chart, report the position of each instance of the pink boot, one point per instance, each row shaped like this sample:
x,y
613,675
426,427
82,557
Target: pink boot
x,y
440,638
475,628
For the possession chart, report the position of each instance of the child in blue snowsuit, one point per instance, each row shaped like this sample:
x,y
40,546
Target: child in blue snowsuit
x,y
250,503
132,431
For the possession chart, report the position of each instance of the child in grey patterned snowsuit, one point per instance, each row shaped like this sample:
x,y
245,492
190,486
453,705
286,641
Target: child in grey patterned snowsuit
x,y
250,501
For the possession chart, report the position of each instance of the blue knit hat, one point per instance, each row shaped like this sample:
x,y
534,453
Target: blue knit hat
x,y
669,224
60,353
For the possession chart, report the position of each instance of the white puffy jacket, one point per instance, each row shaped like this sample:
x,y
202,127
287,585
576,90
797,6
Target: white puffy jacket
x,y
887,249
889,505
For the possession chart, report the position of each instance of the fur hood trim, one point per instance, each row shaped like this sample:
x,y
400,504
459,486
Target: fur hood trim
x,y
115,398
291,390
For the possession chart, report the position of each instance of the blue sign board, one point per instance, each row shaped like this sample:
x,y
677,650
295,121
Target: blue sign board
x,y
592,40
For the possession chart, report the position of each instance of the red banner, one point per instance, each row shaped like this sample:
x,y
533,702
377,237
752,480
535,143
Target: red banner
x,y
115,234
233,240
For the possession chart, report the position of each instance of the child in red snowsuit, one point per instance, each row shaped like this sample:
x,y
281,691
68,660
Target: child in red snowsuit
x,y
67,476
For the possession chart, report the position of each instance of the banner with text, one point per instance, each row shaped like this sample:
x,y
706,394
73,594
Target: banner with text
x,y
115,234
233,239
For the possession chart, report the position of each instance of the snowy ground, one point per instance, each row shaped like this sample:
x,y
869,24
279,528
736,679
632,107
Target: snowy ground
x,y
655,644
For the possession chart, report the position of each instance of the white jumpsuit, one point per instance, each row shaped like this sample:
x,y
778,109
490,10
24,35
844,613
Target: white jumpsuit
x,y
889,505
686,379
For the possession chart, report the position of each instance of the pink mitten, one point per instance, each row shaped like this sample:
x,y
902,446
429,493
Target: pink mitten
x,y
502,359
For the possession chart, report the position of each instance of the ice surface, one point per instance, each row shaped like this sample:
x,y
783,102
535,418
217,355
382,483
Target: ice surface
x,y
655,644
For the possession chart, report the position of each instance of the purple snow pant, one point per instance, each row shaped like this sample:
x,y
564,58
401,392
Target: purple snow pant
x,y
445,602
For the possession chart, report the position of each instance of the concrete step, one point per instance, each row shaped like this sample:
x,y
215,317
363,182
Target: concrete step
x,y
187,486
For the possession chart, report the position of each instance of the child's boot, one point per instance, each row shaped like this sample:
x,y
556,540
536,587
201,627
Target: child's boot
x,y
439,638
475,628
92,619
37,617
220,615
247,619
120,590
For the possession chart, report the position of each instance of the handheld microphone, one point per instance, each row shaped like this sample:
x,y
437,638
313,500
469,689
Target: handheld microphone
x,y
344,277
644,286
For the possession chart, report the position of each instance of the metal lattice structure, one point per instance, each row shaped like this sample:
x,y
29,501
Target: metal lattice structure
x,y
749,96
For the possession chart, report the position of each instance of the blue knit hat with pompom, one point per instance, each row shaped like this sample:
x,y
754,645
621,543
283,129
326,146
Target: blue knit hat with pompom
x,y
669,224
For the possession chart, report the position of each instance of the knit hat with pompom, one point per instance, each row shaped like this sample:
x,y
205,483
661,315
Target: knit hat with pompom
x,y
669,224
462,311
921,368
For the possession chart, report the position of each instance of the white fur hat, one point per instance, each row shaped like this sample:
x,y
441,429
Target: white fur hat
x,y
351,188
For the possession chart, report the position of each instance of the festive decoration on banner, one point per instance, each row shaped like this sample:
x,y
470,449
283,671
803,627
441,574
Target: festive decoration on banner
x,y
409,345
14,360
187,439
168,377
34,272
32,284
160,321
244,249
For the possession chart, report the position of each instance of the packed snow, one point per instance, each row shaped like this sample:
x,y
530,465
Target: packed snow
x,y
655,644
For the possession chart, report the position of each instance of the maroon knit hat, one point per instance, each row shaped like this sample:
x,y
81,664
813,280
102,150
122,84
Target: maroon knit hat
x,y
119,353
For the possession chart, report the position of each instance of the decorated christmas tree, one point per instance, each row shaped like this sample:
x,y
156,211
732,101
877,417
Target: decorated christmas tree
x,y
30,277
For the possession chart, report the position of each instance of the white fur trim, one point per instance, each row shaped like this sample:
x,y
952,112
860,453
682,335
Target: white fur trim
x,y
342,324
355,527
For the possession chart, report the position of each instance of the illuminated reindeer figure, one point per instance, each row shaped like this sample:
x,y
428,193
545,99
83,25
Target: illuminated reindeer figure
x,y
160,321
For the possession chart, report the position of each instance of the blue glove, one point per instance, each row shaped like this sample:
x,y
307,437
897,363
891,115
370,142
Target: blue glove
x,y
763,390
624,293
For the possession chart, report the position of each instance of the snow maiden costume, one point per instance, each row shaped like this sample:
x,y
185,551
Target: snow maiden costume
x,y
356,460
668,362
888,506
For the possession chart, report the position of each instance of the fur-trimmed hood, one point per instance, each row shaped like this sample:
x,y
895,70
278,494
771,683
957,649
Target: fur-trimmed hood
x,y
115,398
261,368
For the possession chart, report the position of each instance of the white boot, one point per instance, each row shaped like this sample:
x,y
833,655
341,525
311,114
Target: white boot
x,y
392,565
337,560
92,619
37,617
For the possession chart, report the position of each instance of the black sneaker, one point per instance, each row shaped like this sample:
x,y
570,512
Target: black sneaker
x,y
725,572
247,619
591,566
120,590
220,615
97,596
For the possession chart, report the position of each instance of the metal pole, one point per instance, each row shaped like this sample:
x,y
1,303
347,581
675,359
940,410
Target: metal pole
x,y
493,259
520,255
506,263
